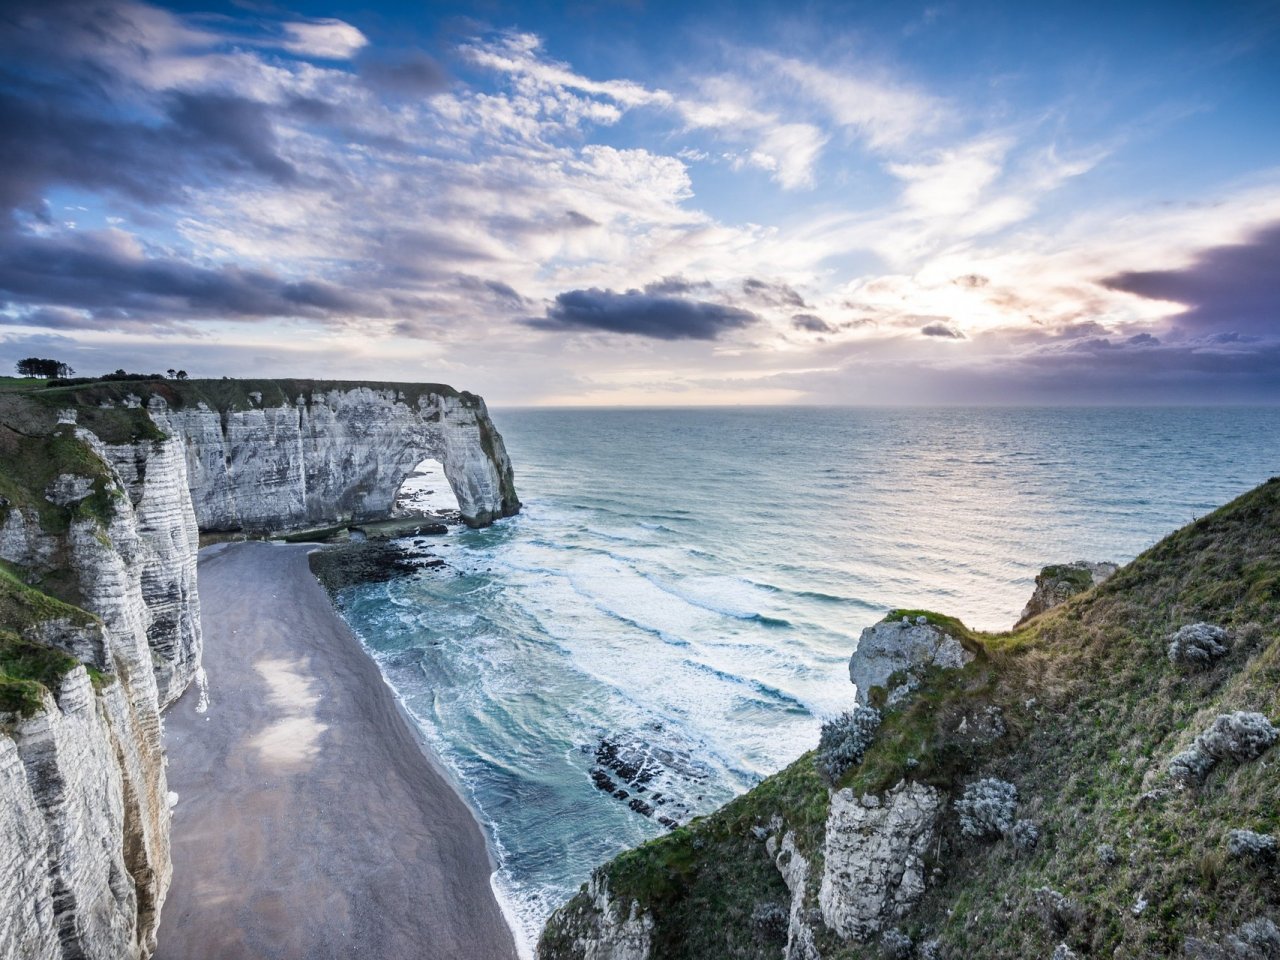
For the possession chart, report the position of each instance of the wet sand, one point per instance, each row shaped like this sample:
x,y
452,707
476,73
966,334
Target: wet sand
x,y
310,822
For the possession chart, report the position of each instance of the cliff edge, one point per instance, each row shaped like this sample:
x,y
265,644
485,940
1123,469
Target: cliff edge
x,y
105,488
1099,781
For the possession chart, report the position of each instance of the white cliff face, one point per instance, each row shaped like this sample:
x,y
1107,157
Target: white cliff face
x,y
893,645
873,857
795,873
84,844
337,454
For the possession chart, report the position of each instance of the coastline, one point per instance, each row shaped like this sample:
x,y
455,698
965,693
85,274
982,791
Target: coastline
x,y
302,740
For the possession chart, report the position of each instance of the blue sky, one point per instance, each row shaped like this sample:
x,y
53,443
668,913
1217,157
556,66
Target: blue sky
x,y
645,203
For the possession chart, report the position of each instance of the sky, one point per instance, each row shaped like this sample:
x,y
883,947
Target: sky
x,y
644,203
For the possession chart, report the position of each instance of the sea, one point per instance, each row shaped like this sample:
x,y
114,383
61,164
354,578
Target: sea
x,y
671,615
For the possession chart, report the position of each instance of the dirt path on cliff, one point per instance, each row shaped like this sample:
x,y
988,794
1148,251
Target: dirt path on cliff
x,y
309,823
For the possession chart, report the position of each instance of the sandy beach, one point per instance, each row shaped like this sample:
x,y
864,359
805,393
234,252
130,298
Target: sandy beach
x,y
310,822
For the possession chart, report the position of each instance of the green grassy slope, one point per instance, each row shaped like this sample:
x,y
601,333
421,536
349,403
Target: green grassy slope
x,y
1092,711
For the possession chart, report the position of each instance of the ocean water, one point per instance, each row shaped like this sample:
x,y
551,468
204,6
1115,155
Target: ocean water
x,y
673,612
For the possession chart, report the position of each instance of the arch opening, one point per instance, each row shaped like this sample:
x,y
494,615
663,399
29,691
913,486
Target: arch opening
x,y
426,492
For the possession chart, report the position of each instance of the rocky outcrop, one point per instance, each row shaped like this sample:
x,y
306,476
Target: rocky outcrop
x,y
334,453
873,857
104,503
900,643
794,868
603,928
1060,582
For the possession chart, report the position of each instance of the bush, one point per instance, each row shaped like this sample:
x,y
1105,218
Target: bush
x,y
1056,910
986,809
1255,846
844,740
1025,836
1198,645
895,945
1241,736
1063,952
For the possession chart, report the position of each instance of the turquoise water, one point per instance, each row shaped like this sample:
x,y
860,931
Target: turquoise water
x,y
685,588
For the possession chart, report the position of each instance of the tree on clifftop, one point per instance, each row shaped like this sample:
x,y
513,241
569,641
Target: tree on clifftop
x,y
35,367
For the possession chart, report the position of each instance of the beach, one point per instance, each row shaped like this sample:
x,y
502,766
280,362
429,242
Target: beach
x,y
310,821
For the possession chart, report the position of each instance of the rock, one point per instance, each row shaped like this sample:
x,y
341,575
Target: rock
x,y
873,857
893,645
795,874
1198,645
603,928
1060,582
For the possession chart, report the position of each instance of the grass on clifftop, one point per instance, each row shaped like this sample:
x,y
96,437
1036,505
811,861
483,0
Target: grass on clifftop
x,y
30,463
1081,710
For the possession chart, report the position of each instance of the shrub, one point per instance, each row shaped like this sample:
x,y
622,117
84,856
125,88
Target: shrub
x,y
986,809
1056,910
1255,846
895,945
1198,645
1063,952
844,740
1241,736
1025,836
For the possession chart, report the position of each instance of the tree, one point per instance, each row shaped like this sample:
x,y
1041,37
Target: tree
x,y
172,373
36,367
181,374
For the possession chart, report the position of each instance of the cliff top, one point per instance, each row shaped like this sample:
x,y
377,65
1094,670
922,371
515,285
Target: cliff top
x,y
1082,709
32,406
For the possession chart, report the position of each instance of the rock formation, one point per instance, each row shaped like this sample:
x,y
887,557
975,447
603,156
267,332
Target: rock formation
x,y
899,642
106,488
1059,582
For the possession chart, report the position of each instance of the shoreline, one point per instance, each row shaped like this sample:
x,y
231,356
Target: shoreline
x,y
303,740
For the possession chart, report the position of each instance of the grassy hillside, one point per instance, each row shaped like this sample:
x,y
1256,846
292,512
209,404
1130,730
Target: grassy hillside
x,y
1092,710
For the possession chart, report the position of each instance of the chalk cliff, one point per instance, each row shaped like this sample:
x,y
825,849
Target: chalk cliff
x,y
104,490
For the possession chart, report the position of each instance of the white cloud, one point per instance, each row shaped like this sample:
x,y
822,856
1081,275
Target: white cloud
x,y
327,39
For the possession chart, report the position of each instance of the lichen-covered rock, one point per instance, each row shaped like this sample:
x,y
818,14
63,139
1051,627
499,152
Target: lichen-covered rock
x,y
1059,582
986,808
1198,645
873,857
899,644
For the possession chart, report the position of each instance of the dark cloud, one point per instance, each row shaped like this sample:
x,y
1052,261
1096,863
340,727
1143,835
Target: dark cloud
x,y
105,272
416,75
232,132
676,286
1236,288
641,314
811,323
940,329
774,294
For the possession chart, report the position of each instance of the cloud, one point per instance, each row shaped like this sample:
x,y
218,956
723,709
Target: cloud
x,y
109,271
944,330
772,293
642,314
414,75
812,323
325,39
1234,287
